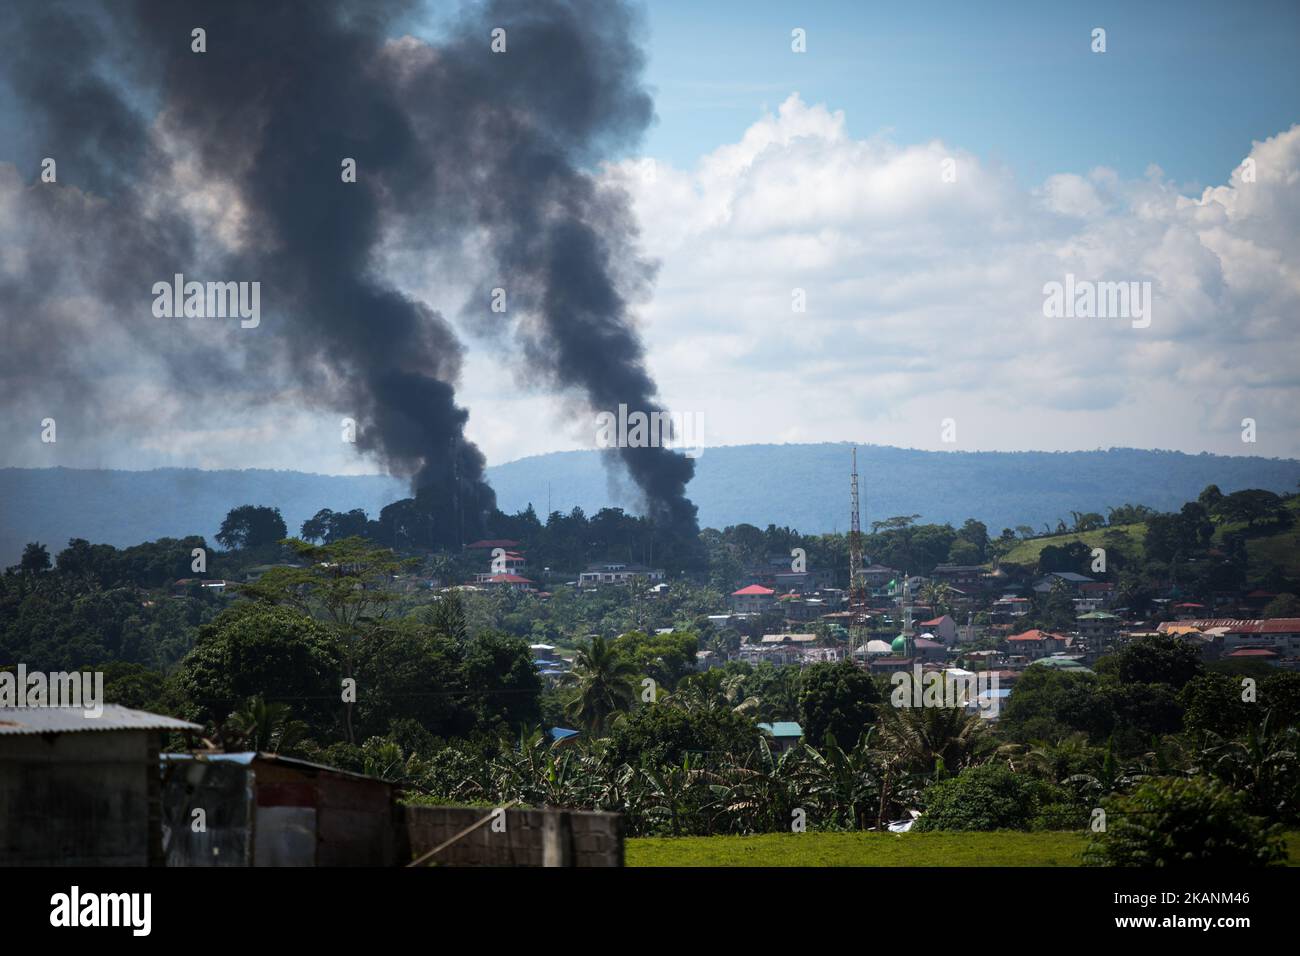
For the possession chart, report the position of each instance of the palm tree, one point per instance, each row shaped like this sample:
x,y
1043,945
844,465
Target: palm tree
x,y
937,595
604,682
1050,760
258,725
698,696
1259,762
780,700
847,781
383,759
447,616
924,737
673,791
757,794
733,691
1106,776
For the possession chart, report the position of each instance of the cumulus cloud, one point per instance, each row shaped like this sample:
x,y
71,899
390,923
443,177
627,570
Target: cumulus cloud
x,y
925,296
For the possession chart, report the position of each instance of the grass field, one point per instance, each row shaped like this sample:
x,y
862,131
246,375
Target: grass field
x,y
1007,848
1265,546
1027,552
1271,547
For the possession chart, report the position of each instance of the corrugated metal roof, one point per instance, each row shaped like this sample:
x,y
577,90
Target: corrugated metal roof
x,y
69,720
783,728
244,759
247,758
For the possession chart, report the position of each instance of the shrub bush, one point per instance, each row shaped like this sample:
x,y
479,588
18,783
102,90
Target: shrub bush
x,y
990,797
1183,822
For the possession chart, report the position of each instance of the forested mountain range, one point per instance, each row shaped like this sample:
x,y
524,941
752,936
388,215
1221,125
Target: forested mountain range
x,y
799,486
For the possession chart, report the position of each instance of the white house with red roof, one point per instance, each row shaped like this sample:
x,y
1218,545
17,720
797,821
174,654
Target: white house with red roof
x,y
505,562
1281,634
512,581
754,599
617,573
943,627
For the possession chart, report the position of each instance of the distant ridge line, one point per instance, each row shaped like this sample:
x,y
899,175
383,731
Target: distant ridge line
x,y
790,485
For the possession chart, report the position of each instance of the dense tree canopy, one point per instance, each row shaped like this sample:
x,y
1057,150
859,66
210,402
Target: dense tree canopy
x,y
666,734
251,526
277,652
36,558
343,647
839,700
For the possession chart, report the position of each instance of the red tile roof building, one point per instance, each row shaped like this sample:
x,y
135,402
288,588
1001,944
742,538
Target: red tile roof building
x,y
1036,643
753,599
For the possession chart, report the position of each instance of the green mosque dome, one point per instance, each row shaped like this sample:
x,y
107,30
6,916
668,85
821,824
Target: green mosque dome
x,y
899,645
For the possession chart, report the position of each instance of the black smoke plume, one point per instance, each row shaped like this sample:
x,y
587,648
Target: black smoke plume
x,y
457,148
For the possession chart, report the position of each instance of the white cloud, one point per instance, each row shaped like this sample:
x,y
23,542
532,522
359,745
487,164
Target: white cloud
x,y
924,297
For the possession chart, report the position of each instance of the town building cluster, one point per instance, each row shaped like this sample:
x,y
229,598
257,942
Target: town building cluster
x,y
963,619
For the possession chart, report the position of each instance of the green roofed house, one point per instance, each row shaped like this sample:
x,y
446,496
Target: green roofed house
x,y
785,734
1098,628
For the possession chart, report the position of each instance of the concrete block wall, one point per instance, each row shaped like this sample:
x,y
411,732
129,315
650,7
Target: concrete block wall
x,y
530,837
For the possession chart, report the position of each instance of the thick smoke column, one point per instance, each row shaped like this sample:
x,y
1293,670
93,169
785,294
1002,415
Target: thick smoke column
x,y
453,143
567,87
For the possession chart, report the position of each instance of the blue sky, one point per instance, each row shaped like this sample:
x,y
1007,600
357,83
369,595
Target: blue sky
x,y
1184,85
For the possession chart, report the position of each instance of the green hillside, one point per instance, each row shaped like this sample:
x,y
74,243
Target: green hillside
x,y
1027,552
1265,546
1268,547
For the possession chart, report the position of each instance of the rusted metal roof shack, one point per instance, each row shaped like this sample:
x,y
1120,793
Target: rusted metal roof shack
x,y
260,809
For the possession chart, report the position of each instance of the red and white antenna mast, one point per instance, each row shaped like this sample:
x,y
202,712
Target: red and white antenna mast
x,y
857,579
